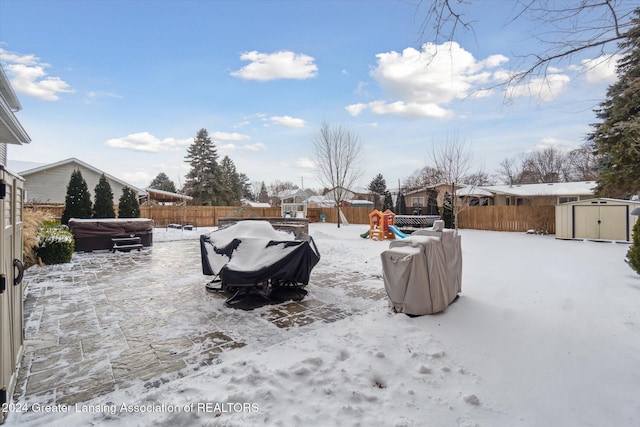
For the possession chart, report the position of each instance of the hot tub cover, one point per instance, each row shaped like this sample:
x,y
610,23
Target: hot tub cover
x,y
251,252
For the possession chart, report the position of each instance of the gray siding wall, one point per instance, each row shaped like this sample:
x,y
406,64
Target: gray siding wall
x,y
50,186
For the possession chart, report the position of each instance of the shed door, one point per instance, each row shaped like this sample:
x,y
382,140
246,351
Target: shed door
x,y
600,222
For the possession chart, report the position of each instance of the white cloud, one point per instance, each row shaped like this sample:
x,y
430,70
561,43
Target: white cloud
x,y
278,65
411,109
259,146
228,136
550,142
288,121
600,70
544,88
92,96
304,162
355,109
28,76
421,82
144,141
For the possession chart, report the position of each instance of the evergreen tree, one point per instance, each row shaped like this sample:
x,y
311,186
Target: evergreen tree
x,y
128,206
247,192
103,206
616,137
388,201
162,182
447,212
229,183
401,206
378,187
263,196
77,203
633,255
203,179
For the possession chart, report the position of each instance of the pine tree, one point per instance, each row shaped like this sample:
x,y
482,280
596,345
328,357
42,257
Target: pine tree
x,y
203,179
378,187
103,206
447,212
128,206
401,206
162,182
633,255
263,196
77,203
229,183
616,137
388,201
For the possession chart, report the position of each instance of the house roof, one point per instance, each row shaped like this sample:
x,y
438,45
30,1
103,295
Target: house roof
x,y
297,192
83,164
580,188
165,196
11,131
473,191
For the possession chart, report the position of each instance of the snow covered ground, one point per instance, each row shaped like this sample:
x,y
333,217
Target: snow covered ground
x,y
546,333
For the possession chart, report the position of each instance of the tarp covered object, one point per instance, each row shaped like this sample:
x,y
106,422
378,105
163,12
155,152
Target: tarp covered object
x,y
250,252
423,273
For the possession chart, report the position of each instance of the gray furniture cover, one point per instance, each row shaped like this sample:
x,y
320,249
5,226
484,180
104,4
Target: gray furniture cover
x,y
423,272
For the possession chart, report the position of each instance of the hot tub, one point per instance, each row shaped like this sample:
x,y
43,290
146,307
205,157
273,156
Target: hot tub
x,y
95,234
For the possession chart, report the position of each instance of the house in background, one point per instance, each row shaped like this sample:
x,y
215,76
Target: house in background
x,y
48,184
541,194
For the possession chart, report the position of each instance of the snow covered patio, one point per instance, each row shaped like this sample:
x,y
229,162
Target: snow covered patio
x,y
545,332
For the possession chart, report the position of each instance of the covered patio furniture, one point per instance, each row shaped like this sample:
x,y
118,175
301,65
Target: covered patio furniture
x,y
423,272
251,257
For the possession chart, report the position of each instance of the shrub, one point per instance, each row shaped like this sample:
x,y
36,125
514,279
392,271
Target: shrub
x,y
33,220
55,244
633,256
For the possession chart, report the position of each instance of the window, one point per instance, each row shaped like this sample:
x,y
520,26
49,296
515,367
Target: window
x,y
562,200
417,202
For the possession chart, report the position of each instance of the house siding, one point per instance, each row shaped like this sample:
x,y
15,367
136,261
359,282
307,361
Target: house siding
x,y
50,185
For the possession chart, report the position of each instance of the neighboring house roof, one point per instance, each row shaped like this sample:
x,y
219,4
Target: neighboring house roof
x,y
11,131
580,188
473,191
291,193
321,201
357,202
28,172
165,196
253,204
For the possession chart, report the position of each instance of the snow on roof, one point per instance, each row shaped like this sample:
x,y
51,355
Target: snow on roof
x,y
253,204
583,188
470,190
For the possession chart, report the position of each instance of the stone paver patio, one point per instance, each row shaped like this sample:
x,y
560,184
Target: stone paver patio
x,y
110,320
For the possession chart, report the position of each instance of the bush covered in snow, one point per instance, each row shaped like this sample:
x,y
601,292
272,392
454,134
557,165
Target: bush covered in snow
x,y
55,243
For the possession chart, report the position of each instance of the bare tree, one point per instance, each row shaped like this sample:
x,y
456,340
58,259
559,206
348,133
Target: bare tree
x,y
453,159
508,172
583,163
421,178
564,28
544,166
337,153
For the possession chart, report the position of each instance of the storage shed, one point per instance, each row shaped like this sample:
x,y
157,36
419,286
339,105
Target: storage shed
x,y
596,219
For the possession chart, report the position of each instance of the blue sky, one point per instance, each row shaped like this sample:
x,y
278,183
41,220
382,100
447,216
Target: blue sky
x,y
126,85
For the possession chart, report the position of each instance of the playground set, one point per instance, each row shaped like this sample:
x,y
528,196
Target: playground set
x,y
382,226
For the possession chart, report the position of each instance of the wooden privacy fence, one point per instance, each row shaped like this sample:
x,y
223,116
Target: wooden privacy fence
x,y
495,218
509,218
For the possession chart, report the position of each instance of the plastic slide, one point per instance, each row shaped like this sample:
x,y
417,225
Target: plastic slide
x,y
397,232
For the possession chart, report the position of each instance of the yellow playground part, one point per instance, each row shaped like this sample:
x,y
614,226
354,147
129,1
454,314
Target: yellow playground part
x,y
379,223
